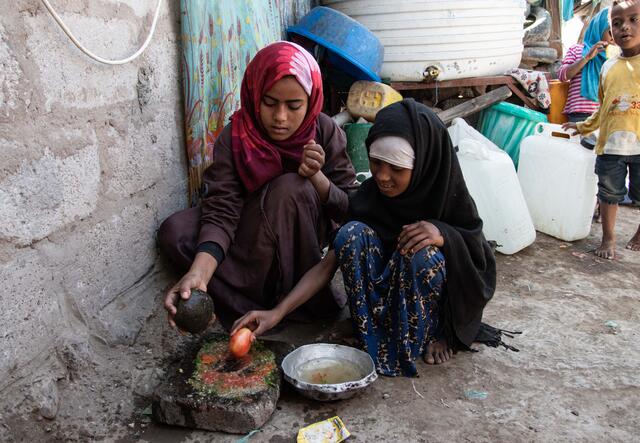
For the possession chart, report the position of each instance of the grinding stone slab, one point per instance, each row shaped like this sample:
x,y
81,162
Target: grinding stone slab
x,y
197,402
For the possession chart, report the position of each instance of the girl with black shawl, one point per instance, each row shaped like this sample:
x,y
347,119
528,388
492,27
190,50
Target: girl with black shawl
x,y
416,266
438,269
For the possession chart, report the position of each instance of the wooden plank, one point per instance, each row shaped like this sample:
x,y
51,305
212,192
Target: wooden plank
x,y
528,101
457,83
593,10
555,40
475,104
494,80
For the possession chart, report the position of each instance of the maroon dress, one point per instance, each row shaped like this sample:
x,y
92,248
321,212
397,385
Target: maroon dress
x,y
270,237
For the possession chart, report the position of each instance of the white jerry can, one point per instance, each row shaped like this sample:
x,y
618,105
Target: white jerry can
x,y
493,183
558,182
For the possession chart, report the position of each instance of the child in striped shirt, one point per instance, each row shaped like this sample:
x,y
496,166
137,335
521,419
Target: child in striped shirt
x,y
581,67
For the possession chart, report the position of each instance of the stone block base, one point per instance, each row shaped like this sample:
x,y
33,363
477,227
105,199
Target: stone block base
x,y
180,401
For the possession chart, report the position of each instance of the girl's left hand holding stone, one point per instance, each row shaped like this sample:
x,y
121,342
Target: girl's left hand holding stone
x,y
312,159
418,235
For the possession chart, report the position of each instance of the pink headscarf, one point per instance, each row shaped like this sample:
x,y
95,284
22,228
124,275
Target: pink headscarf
x,y
258,160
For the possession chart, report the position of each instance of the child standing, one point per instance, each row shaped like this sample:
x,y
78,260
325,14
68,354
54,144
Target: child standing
x,y
581,68
618,118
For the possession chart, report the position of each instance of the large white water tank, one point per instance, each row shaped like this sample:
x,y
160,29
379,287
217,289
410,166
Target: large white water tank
x,y
465,38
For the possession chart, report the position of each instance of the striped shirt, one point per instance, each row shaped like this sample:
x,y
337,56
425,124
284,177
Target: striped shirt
x,y
576,103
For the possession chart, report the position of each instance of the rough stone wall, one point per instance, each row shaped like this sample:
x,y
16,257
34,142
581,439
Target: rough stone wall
x,y
91,160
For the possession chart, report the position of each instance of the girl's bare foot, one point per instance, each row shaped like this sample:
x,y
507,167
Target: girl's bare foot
x,y
437,352
606,250
634,243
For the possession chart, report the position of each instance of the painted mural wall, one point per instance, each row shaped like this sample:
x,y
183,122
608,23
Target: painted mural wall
x,y
219,39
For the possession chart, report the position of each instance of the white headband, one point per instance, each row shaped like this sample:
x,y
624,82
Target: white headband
x,y
394,150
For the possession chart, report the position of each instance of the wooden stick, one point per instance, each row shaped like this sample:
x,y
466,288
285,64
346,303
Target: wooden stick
x,y
457,83
555,40
528,101
595,8
475,104
415,390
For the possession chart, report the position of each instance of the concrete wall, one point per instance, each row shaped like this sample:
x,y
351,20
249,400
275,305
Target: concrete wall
x,y
91,160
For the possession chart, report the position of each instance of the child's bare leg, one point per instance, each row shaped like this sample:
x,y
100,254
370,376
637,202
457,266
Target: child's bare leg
x,y
596,213
634,243
607,248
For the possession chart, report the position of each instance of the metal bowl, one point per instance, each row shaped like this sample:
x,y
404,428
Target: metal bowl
x,y
358,368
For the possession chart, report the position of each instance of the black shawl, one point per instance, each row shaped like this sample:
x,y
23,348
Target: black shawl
x,y
437,193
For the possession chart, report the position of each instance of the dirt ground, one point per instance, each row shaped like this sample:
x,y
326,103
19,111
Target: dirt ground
x,y
574,379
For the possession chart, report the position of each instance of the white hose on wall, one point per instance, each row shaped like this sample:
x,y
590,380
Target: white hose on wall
x,y
91,54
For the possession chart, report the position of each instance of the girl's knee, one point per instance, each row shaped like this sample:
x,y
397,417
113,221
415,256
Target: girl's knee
x,y
288,195
427,257
181,227
167,235
350,232
289,187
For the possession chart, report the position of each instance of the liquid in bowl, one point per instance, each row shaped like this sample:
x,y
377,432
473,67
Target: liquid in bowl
x,y
324,371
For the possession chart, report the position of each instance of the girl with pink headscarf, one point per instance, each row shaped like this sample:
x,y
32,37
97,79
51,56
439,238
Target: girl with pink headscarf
x,y
278,184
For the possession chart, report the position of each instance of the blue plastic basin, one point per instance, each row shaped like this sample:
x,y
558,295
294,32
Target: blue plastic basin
x,y
352,47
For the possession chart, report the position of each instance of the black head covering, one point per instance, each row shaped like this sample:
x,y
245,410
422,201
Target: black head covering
x,y
437,193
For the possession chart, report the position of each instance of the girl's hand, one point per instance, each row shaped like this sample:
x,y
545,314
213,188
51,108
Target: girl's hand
x,y
203,267
595,49
312,159
571,125
258,321
182,289
417,235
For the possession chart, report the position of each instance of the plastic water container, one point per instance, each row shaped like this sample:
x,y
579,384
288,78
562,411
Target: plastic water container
x,y
357,150
493,183
558,182
507,125
367,98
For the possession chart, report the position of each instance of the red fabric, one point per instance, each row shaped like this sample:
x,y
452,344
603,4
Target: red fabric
x,y
258,159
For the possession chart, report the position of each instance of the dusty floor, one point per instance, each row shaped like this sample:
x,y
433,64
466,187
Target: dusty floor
x,y
575,379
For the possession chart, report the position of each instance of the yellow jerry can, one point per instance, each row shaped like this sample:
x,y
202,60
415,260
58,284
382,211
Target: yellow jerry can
x,y
366,98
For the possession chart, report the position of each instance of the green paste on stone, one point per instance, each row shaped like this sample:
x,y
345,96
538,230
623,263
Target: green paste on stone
x,y
219,374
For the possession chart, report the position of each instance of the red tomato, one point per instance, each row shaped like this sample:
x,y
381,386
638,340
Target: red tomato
x,y
240,342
